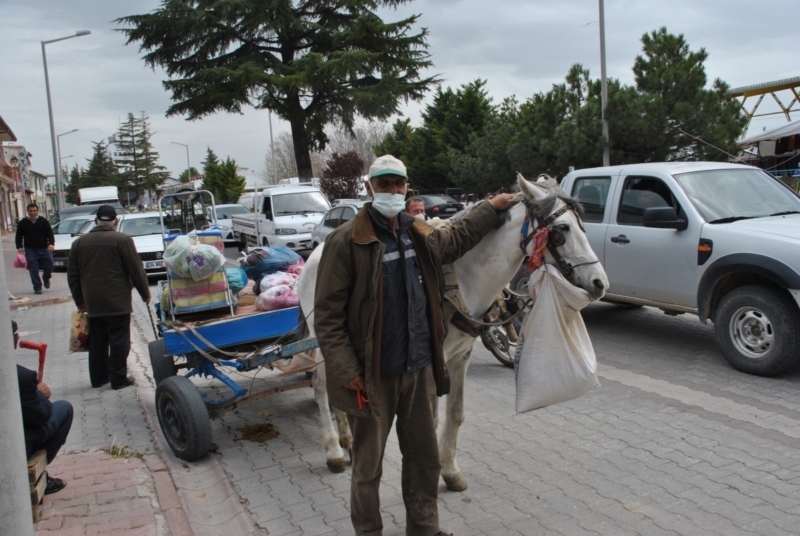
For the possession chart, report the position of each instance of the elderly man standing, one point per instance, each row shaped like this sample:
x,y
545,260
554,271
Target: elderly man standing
x,y
36,235
103,269
378,319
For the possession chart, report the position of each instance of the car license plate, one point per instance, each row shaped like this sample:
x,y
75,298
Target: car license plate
x,y
153,264
449,210
59,263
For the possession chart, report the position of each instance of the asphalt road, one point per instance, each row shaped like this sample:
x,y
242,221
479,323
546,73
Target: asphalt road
x,y
674,441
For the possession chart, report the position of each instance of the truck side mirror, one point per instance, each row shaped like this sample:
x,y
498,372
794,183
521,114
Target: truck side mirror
x,y
663,218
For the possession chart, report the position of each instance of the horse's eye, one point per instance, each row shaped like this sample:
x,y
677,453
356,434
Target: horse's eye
x,y
564,227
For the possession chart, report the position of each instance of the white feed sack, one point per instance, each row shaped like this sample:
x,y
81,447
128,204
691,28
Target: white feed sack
x,y
555,360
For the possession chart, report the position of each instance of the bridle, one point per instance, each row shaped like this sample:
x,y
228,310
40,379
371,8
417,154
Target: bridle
x,y
548,236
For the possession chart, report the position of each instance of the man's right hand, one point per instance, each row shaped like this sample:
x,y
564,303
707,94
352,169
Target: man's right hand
x,y
146,299
356,384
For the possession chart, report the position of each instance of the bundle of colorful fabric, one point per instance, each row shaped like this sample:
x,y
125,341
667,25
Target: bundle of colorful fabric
x,y
275,271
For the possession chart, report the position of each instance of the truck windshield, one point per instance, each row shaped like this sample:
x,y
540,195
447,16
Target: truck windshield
x,y
731,194
302,203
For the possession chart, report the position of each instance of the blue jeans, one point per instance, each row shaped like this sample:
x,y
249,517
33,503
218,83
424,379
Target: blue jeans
x,y
39,259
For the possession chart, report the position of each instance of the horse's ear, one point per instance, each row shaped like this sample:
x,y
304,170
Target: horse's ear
x,y
529,189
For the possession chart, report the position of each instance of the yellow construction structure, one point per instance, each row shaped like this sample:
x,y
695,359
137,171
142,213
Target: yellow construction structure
x,y
769,88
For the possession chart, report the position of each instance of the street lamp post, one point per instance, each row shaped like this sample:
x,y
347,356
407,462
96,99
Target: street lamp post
x,y
604,87
56,162
188,165
59,189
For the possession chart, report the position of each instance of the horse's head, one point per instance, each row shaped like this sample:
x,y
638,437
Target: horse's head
x,y
554,217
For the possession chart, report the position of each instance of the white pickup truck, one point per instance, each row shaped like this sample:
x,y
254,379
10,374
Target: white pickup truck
x,y
718,240
282,216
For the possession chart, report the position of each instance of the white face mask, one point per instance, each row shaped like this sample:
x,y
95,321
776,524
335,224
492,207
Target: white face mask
x,y
420,216
390,205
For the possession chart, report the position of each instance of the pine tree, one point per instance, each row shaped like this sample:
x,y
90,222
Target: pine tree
x,y
223,180
313,63
141,171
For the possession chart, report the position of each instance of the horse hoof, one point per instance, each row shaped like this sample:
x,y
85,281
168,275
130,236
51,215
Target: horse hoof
x,y
337,465
455,482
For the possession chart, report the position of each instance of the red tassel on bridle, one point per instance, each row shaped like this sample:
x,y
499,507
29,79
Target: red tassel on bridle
x,y
540,239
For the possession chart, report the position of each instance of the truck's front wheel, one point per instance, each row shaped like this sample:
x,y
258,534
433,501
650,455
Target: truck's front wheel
x,y
758,329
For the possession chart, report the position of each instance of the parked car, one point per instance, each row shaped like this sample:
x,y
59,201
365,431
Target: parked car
x,y
345,210
145,229
62,247
718,240
65,229
223,220
440,206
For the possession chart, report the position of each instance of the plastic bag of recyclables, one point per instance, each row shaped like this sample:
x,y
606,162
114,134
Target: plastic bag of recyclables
x,y
555,361
186,258
277,297
260,261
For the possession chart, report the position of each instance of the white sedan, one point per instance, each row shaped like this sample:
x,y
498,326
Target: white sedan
x,y
145,229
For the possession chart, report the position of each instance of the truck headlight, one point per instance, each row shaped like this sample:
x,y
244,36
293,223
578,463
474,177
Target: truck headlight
x,y
285,231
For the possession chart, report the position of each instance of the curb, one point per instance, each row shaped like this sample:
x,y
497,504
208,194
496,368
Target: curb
x,y
40,303
209,509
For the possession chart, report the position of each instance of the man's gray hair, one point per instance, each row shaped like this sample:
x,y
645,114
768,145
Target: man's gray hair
x,y
112,223
413,200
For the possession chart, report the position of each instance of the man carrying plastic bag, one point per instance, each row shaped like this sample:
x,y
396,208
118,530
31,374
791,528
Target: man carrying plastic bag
x,y
555,360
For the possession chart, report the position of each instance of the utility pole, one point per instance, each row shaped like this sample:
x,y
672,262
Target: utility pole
x,y
604,86
15,506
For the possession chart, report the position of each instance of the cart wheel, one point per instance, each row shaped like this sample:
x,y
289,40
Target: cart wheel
x,y
162,364
183,417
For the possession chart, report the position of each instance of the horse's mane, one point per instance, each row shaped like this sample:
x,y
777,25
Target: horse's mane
x,y
504,216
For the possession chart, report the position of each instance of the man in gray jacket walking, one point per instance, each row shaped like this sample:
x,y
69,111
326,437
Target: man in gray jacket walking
x,y
103,269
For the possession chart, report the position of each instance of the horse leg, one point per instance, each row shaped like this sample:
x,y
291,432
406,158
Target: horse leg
x,y
457,366
345,436
330,437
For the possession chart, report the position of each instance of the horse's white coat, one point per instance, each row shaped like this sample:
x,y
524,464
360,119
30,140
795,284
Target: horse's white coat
x,y
482,274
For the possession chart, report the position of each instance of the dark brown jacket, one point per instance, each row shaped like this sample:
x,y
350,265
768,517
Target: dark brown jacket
x,y
103,268
347,303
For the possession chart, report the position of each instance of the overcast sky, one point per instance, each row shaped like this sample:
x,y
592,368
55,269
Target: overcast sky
x,y
520,47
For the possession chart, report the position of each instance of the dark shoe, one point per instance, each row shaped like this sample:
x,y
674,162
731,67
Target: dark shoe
x,y
128,382
443,533
39,291
47,284
54,485
102,383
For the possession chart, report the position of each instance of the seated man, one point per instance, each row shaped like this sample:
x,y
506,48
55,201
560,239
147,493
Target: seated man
x,y
46,423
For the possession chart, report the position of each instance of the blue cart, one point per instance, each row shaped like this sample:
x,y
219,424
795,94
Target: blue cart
x,y
242,343
207,347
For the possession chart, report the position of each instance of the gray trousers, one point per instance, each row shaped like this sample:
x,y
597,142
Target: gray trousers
x,y
411,399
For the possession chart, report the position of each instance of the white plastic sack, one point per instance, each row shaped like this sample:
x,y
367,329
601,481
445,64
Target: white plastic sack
x,y
203,261
175,256
278,278
188,259
555,360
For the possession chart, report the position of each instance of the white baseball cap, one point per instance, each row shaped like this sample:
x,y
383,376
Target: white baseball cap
x,y
387,165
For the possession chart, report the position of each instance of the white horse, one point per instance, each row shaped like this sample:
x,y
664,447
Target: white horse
x,y
482,274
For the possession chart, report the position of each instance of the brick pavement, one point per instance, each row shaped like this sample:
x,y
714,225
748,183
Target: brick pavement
x,y
133,495
674,441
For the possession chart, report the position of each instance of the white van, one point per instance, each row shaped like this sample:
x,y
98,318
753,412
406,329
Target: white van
x,y
284,216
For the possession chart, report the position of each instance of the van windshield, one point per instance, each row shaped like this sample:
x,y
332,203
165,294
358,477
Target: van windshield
x,y
302,203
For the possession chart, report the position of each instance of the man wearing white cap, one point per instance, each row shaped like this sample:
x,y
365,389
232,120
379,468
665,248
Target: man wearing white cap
x,y
378,319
